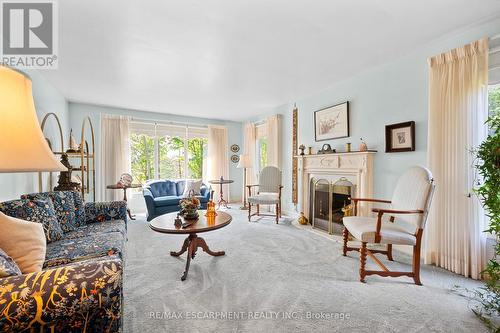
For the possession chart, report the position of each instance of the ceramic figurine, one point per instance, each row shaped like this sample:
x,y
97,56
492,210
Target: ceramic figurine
x,y
302,219
362,146
73,146
178,221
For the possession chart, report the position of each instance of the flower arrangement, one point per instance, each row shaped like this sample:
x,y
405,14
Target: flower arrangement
x,y
189,203
189,206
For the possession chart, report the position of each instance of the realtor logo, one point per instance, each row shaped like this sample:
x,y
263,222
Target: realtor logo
x,y
29,34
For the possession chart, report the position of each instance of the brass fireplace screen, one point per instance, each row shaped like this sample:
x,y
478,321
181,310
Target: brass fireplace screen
x,y
328,200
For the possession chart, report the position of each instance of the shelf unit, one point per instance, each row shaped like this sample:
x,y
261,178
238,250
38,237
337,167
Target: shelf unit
x,y
82,161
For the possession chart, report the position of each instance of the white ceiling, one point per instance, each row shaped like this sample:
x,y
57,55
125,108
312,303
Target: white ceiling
x,y
231,59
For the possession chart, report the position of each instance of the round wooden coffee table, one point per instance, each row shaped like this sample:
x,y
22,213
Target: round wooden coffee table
x,y
166,224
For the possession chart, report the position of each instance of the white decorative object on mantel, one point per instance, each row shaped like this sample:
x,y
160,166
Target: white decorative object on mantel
x,y
357,166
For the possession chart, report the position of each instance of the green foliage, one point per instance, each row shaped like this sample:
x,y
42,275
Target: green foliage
x,y
488,155
142,156
171,157
263,152
196,148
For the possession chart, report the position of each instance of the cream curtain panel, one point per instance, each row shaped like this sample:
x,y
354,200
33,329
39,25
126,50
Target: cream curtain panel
x,y
218,161
249,149
115,154
274,144
458,82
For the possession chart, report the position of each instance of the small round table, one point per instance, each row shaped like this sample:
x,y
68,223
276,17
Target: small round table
x,y
222,201
166,224
124,188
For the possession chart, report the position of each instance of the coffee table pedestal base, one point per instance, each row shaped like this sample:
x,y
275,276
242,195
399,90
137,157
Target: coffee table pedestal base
x,y
191,244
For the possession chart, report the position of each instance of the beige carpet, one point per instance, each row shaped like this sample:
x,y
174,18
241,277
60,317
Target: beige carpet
x,y
279,278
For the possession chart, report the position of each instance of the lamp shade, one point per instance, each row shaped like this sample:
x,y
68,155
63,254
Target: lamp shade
x,y
244,162
23,147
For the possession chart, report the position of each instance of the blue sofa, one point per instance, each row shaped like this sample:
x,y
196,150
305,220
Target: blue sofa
x,y
163,196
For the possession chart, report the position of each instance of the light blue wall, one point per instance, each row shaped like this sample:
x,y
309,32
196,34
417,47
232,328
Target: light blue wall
x,y
47,99
78,111
392,93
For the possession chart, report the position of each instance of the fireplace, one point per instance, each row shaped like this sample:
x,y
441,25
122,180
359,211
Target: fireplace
x,y
327,181
327,200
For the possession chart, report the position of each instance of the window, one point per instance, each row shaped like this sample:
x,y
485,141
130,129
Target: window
x,y
494,76
167,151
142,151
262,142
493,99
171,157
261,145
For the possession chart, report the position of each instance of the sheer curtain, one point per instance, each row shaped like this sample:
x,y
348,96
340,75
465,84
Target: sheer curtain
x,y
274,144
218,161
115,154
249,149
458,82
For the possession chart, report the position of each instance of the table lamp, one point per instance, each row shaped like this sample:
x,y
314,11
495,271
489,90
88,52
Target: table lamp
x,y
23,147
244,163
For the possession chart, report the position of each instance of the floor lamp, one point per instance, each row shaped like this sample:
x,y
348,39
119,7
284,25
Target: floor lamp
x,y
23,147
244,164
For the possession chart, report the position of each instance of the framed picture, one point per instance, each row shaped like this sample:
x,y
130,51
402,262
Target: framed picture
x,y
332,122
400,137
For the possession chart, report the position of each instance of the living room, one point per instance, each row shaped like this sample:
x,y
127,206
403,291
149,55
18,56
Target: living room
x,y
249,166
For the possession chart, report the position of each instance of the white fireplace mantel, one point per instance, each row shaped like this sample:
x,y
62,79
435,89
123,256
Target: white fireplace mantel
x,y
355,165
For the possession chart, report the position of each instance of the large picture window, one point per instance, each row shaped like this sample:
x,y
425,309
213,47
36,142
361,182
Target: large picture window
x,y
167,151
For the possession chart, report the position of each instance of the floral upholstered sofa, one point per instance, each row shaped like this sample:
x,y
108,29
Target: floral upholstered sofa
x,y
80,286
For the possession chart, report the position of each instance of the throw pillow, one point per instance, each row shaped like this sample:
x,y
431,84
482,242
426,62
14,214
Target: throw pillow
x,y
79,209
194,185
35,210
24,242
64,207
7,265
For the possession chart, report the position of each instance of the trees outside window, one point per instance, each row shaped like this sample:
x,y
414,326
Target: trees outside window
x,y
142,149
197,151
171,157
167,152
262,145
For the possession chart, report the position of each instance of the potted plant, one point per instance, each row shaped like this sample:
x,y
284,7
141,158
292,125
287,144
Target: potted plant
x,y
488,190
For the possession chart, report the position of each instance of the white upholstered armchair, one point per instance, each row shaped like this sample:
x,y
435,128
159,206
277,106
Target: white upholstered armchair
x,y
401,223
269,192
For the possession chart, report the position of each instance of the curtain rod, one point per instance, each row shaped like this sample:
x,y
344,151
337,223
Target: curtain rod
x,y
159,122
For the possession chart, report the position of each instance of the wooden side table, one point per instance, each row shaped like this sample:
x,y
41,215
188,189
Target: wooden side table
x,y
124,188
222,201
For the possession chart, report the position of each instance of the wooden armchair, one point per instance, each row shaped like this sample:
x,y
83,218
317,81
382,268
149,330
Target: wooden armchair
x,y
408,209
269,192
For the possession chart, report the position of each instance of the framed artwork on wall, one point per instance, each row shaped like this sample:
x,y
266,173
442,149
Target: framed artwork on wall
x,y
332,122
400,137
